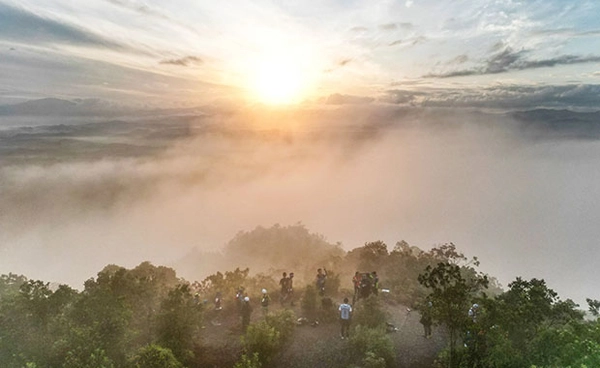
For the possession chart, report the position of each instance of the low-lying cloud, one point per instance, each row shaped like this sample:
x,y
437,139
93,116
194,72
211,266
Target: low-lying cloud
x,y
355,174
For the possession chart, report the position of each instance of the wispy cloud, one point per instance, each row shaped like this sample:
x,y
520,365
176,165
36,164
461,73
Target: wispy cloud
x,y
586,96
137,7
339,99
21,25
567,32
510,60
460,59
409,41
359,29
184,61
389,27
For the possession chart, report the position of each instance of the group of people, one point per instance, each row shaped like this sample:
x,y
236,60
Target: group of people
x,y
287,289
427,320
365,284
243,305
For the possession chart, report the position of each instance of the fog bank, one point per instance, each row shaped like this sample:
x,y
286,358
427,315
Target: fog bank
x,y
525,206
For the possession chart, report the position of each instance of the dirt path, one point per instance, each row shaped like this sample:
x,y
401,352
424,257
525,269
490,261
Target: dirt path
x,y
321,346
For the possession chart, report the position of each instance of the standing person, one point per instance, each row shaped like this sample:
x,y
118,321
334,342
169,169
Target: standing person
x,y
218,308
356,283
265,300
365,285
246,311
426,319
290,289
284,288
471,336
321,277
345,316
239,297
375,282
473,311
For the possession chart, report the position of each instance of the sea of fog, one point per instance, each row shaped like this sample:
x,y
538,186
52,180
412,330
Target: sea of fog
x,y
525,204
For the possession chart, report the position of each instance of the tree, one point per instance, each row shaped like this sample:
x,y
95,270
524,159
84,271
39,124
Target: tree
x,y
450,295
369,257
179,321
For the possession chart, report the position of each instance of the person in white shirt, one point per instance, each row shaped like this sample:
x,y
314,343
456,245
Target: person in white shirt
x,y
345,317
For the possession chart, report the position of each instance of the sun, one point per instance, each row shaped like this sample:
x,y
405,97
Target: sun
x,y
278,81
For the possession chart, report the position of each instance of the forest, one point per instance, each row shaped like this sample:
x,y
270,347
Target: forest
x,y
148,316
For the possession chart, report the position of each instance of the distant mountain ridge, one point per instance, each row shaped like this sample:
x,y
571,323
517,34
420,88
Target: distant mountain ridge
x,y
84,107
536,123
563,123
59,107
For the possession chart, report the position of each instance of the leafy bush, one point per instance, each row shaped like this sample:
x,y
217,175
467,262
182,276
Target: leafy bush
x,y
266,338
371,344
309,302
284,322
369,313
249,362
154,356
262,340
373,361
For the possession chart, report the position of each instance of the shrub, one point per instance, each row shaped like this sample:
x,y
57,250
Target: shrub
x,y
284,322
373,361
369,313
249,362
371,344
155,356
309,302
262,340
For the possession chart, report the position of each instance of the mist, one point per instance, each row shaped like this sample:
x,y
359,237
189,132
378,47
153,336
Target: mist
x,y
525,204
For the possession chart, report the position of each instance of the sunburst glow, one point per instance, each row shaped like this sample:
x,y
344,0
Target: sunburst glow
x,y
278,81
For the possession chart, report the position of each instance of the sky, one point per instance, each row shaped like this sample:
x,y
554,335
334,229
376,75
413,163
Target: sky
x,y
142,130
421,52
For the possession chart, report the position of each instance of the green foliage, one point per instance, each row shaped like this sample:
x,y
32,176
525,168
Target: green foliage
x,y
594,306
369,313
309,302
246,361
266,338
373,361
30,323
10,284
96,359
451,289
280,247
332,285
263,340
179,322
371,344
369,257
154,356
284,322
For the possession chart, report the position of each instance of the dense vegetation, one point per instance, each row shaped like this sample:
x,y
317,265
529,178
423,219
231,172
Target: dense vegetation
x,y
149,317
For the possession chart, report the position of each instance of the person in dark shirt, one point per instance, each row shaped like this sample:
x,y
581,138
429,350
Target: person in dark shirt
x,y
246,311
321,277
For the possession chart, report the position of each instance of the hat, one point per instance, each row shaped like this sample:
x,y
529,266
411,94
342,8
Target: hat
x,y
264,291
246,299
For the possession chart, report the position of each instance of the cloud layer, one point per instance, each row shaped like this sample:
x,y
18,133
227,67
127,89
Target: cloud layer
x,y
355,174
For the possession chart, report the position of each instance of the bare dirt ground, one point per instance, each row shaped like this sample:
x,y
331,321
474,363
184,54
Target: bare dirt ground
x,y
321,346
